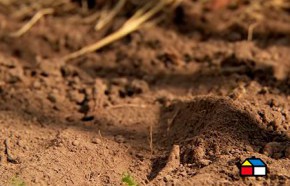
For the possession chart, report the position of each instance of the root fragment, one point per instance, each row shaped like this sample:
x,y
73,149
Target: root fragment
x,y
151,139
10,158
131,25
32,22
108,17
251,30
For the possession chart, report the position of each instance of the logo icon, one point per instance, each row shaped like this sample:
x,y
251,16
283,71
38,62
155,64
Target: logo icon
x,y
253,167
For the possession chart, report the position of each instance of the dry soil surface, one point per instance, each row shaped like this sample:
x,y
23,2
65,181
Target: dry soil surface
x,y
181,103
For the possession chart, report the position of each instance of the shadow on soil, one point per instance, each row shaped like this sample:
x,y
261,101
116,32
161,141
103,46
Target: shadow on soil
x,y
207,118
220,76
199,122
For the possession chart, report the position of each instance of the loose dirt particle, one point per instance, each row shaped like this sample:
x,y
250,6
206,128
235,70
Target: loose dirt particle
x,y
76,96
76,143
96,141
119,139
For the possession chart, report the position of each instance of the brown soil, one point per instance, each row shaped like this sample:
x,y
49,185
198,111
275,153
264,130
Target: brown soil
x,y
182,103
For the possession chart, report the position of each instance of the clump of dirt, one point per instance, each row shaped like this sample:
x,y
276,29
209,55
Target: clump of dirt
x,y
208,129
180,103
207,119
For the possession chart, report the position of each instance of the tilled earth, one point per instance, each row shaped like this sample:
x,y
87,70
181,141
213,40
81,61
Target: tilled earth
x,y
182,103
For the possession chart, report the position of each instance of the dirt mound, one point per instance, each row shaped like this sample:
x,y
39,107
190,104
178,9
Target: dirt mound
x,y
209,132
209,127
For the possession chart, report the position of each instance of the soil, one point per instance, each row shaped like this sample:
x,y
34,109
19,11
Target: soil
x,y
180,103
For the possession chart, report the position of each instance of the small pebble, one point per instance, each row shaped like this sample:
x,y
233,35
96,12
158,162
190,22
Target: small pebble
x,y
277,155
183,174
76,96
36,85
272,148
249,148
75,143
51,98
175,181
264,90
119,139
205,162
167,178
96,141
21,143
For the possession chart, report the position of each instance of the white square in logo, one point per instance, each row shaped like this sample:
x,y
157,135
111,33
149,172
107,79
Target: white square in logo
x,y
259,171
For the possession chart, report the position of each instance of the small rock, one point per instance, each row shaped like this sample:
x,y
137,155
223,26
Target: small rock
x,y
96,141
183,174
36,85
119,81
119,139
264,90
50,68
205,162
277,155
175,181
249,148
264,56
21,143
70,118
243,50
272,148
66,70
167,178
140,156
140,86
280,73
76,96
75,143
17,71
51,98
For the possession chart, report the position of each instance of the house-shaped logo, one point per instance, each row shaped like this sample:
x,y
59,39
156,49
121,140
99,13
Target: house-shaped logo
x,y
253,167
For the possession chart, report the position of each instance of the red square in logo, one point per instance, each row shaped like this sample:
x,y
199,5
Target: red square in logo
x,y
247,171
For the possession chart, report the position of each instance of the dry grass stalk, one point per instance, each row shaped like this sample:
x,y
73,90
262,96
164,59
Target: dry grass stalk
x,y
25,7
131,25
32,22
107,17
151,139
251,30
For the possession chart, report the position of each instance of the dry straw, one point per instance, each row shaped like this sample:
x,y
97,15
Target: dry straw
x,y
32,22
134,23
141,16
